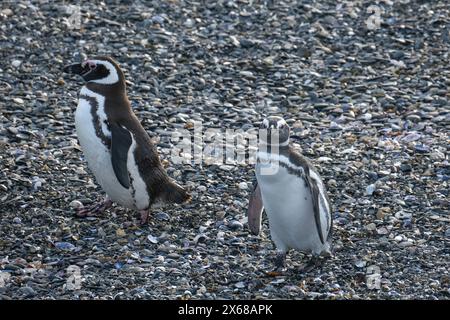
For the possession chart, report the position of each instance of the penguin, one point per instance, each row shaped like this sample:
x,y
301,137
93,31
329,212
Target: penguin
x,y
117,148
291,192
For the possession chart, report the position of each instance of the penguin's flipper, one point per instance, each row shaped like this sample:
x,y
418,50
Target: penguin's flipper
x,y
255,209
315,193
321,203
121,140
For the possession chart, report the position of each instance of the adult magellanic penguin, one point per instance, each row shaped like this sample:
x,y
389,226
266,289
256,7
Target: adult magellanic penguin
x,y
292,194
117,148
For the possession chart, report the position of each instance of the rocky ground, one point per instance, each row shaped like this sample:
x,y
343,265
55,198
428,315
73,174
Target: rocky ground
x,y
365,91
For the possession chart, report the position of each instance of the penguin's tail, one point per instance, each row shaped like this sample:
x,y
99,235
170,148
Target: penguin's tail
x,y
174,193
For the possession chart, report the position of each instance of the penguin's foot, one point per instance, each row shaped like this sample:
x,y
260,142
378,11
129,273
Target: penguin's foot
x,y
95,209
280,265
312,264
280,261
144,216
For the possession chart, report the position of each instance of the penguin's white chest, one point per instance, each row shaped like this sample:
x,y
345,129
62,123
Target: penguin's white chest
x,y
96,153
288,204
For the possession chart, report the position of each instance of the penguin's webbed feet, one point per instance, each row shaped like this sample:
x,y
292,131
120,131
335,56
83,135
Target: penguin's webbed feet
x,y
144,216
311,265
280,265
94,209
280,260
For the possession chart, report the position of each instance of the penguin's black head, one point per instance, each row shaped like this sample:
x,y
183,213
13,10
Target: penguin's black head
x,y
274,131
103,70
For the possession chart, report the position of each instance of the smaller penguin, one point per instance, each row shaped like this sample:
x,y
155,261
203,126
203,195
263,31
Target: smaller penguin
x,y
117,148
292,194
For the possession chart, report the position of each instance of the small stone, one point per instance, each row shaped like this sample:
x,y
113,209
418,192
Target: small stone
x,y
370,189
189,23
33,249
173,255
437,155
162,216
447,233
187,294
371,226
60,82
414,136
405,167
414,118
132,269
335,126
64,246
75,204
409,199
382,212
407,243
28,291
16,63
220,214
268,61
407,224
18,100
235,41
220,236
278,281
332,183
246,74
7,12
200,238
202,289
120,233
243,186
152,239
158,19
291,288
421,148
403,215
360,264
382,231
17,220
235,225
101,232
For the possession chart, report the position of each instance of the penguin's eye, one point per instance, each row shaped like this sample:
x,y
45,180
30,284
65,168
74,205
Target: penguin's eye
x,y
92,65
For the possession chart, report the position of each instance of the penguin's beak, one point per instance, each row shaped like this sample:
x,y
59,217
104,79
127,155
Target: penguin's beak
x,y
76,68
